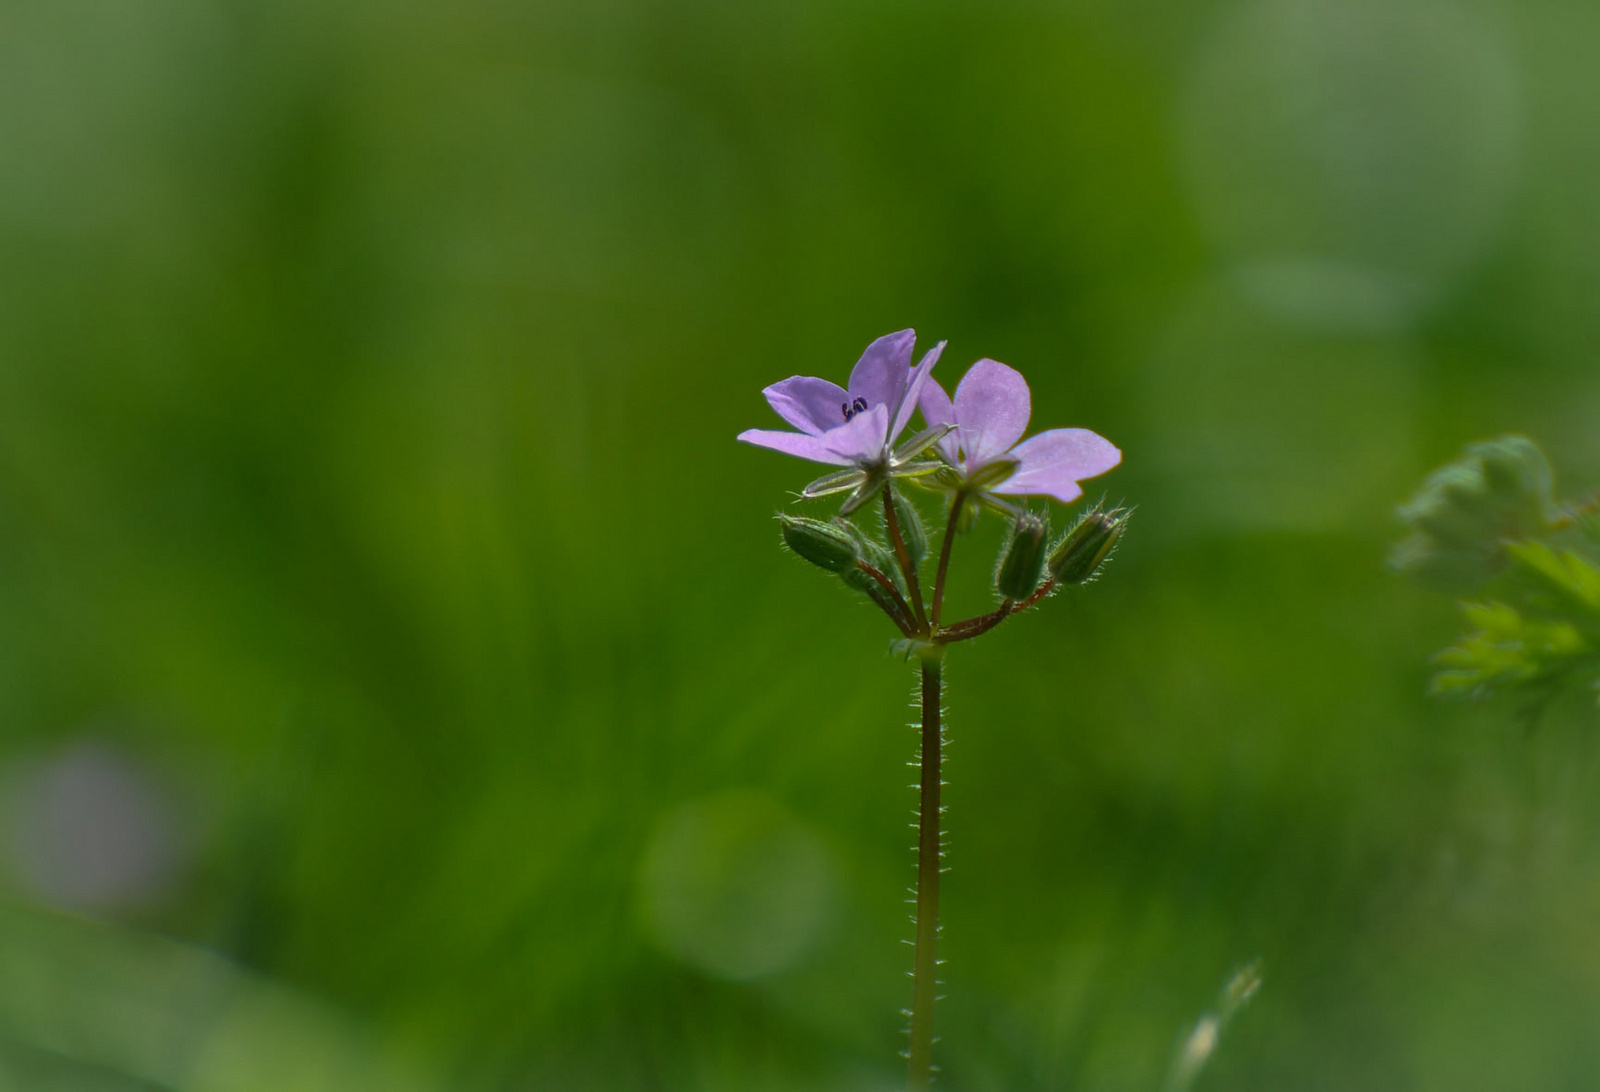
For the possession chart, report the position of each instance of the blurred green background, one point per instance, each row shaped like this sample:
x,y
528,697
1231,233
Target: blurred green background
x,y
403,687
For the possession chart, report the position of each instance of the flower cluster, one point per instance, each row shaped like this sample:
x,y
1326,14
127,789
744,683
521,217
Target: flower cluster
x,y
971,449
977,433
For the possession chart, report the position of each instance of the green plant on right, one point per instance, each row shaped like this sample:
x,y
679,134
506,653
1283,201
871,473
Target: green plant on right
x,y
1487,528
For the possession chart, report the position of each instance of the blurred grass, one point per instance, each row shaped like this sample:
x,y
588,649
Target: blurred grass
x,y
368,379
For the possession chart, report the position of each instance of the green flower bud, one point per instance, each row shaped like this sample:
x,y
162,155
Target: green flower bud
x,y
879,557
829,546
856,580
912,531
1078,556
882,558
1021,564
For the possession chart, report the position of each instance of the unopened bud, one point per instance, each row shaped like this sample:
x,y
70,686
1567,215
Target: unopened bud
x,y
912,532
857,580
1022,560
882,558
1080,553
827,545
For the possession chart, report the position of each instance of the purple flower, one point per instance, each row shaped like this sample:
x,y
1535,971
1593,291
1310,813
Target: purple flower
x,y
989,414
856,427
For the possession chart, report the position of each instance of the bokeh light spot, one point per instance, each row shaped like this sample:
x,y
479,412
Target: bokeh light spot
x,y
735,886
1351,157
89,829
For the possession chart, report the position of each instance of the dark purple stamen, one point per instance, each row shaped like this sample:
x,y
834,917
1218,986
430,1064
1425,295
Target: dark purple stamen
x,y
850,409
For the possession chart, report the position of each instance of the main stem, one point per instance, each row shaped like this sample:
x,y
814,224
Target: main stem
x,y
925,969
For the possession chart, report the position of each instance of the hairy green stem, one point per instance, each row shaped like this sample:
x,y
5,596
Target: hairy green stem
x,y
925,969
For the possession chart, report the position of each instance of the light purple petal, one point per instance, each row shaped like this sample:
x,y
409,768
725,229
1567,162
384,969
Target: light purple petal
x,y
1064,490
935,404
937,410
814,448
992,406
881,373
1052,463
908,402
810,404
862,438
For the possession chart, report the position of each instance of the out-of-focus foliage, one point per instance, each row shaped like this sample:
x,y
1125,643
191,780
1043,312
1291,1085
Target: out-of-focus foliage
x,y
1465,513
1508,650
1196,1048
392,631
1486,525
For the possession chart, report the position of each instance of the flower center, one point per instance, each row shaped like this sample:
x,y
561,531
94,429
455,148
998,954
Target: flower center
x,y
850,409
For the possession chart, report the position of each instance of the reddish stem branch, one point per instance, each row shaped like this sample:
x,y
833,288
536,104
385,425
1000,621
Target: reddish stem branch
x,y
968,628
901,614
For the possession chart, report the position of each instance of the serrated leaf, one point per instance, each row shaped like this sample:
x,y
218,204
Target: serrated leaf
x,y
1507,650
1567,574
1493,618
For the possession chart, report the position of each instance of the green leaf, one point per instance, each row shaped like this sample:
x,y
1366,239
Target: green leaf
x,y
1508,650
1566,574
